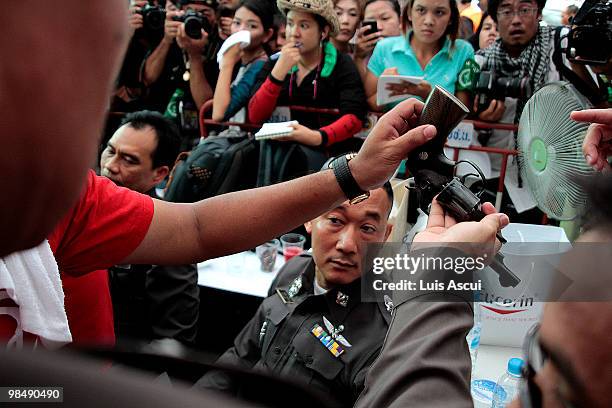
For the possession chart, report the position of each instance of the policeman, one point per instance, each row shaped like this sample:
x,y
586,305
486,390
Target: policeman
x,y
313,328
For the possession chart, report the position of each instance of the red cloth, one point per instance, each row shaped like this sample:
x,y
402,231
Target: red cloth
x,y
89,308
7,323
101,230
107,224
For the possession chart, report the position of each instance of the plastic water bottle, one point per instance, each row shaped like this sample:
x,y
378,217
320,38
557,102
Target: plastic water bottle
x,y
506,388
473,337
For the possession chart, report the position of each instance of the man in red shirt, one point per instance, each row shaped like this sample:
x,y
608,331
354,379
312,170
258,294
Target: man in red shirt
x,y
44,158
138,156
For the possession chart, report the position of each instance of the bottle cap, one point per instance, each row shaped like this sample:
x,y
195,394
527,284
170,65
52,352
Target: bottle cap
x,y
514,366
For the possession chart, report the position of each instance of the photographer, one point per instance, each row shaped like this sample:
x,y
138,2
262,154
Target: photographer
x,y
181,70
586,47
129,90
518,63
525,57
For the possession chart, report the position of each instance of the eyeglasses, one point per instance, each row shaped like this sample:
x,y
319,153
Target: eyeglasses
x,y
535,357
522,12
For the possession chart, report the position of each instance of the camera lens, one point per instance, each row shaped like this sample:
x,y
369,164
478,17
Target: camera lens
x,y
514,87
193,27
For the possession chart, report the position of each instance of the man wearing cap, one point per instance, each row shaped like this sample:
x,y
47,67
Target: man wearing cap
x,y
314,327
181,69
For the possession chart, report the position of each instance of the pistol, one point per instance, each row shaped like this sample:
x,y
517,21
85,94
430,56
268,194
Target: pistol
x,y
433,172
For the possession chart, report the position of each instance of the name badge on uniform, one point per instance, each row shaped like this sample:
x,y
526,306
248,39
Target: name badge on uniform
x,y
328,342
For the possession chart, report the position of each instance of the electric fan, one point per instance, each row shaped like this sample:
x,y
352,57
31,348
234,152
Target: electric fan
x,y
550,151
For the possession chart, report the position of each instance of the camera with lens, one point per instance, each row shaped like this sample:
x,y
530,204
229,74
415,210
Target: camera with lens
x,y
590,38
491,86
153,17
194,22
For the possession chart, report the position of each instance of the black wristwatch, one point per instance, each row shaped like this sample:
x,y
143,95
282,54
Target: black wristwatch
x,y
345,178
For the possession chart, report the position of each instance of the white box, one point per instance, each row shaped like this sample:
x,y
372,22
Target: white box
x,y
505,320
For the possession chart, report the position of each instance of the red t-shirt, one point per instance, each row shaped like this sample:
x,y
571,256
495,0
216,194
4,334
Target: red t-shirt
x,y
101,230
89,308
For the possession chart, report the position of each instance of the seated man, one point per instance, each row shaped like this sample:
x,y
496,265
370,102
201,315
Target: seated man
x,y
310,295
148,302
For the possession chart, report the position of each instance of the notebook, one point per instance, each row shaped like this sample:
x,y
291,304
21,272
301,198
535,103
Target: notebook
x,y
275,130
383,95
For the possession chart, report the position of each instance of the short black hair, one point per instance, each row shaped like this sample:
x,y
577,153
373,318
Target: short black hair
x,y
389,190
168,136
474,40
394,3
493,5
387,186
264,9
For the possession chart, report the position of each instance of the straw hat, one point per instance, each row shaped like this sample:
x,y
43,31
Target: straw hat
x,y
324,8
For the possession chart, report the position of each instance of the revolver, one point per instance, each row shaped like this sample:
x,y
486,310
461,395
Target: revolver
x,y
433,172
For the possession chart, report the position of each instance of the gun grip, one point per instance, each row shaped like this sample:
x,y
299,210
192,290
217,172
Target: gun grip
x,y
443,110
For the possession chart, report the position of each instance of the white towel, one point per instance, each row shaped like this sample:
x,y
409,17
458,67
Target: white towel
x,y
240,37
31,278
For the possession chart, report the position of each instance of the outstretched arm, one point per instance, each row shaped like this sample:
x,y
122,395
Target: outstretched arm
x,y
237,221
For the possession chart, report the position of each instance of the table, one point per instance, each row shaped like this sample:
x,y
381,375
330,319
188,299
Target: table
x,y
231,289
238,273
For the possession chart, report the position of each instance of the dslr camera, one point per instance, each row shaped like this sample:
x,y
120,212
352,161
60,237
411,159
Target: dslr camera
x,y
491,86
590,38
194,23
152,17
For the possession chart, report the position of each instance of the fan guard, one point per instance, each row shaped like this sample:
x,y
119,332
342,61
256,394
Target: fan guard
x,y
550,150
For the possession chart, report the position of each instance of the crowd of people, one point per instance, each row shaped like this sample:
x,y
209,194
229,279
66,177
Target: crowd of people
x,y
95,259
330,55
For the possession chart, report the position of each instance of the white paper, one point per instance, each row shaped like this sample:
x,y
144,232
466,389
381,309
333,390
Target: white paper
x,y
383,95
462,135
275,130
480,159
241,37
521,197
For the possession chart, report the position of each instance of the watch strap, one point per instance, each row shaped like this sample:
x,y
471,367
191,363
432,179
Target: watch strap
x,y
345,178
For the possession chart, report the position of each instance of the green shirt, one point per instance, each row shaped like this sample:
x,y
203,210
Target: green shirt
x,y
443,69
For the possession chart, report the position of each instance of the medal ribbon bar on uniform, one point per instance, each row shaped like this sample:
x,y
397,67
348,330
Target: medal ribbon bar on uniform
x,y
327,340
